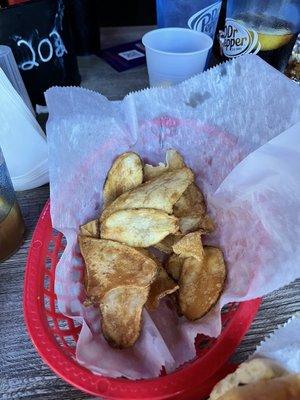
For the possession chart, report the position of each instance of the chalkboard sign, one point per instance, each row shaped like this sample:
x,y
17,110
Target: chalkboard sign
x,y
39,35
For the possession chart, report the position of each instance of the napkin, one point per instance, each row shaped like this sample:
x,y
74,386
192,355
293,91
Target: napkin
x,y
283,346
237,127
10,68
22,140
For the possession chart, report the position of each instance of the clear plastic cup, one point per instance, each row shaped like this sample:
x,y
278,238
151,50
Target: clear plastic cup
x,y
175,54
11,222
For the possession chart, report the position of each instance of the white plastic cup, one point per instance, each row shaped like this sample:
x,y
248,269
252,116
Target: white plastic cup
x,y
175,54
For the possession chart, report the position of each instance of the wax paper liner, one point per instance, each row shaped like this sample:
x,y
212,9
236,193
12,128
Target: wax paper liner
x,y
236,127
283,346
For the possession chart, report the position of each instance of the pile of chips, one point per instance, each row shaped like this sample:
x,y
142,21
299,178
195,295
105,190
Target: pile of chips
x,y
147,244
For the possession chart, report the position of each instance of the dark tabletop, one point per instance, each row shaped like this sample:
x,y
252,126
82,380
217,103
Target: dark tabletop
x,y
23,375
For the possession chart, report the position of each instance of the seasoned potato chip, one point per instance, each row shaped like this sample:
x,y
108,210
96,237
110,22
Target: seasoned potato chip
x,y
174,266
143,227
146,253
201,283
191,211
88,232
110,264
121,310
161,287
190,246
189,223
91,229
126,173
196,222
173,161
191,202
207,225
151,172
165,245
160,193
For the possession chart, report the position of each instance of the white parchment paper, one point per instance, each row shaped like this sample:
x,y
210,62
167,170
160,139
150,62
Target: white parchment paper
x,y
283,346
237,127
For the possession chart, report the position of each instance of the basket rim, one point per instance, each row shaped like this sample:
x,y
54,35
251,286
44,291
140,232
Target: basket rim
x,y
185,379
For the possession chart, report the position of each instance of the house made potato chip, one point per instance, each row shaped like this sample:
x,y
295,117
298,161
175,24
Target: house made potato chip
x,y
121,309
166,245
173,161
190,246
160,193
201,283
142,227
196,222
91,229
111,264
174,266
126,173
161,287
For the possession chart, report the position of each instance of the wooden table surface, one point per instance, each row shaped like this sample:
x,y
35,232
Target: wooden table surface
x,y
23,375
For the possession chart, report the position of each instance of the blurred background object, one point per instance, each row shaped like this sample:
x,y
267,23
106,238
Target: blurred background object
x,y
84,19
266,28
12,226
293,68
46,35
127,13
14,2
199,15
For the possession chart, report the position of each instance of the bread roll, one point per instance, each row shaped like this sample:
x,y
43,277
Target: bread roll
x,y
284,388
248,372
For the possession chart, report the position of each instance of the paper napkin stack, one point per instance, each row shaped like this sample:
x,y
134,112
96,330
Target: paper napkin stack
x,y
22,140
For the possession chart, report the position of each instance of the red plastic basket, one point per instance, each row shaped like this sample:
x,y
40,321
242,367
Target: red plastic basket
x,y
54,335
